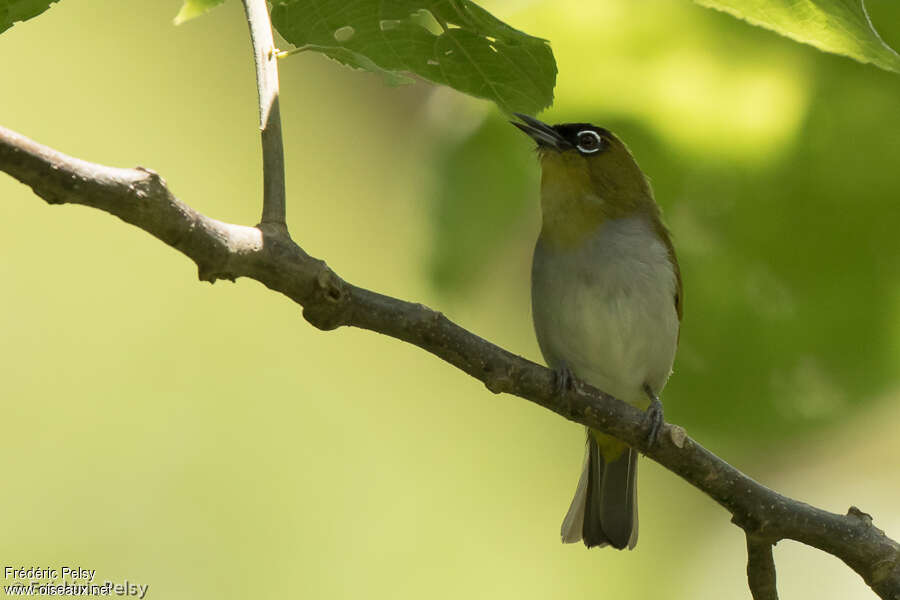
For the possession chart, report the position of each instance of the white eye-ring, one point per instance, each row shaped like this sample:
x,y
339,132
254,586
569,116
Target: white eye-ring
x,y
589,141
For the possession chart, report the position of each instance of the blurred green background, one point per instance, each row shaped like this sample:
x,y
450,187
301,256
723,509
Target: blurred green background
x,y
208,442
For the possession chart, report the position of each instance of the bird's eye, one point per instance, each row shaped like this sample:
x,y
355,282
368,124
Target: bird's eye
x,y
589,141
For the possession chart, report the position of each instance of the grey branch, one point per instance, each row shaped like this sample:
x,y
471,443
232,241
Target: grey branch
x,y
269,112
268,255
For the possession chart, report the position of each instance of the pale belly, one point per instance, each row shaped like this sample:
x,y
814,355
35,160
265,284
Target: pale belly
x,y
607,311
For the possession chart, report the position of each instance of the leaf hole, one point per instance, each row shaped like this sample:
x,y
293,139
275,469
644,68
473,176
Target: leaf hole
x,y
433,62
388,24
344,33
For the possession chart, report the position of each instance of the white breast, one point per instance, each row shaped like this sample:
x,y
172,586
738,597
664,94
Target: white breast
x,y
607,310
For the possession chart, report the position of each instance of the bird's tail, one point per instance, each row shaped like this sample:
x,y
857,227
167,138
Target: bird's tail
x,y
604,509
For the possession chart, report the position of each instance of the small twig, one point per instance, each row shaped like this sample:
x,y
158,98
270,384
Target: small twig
x,y
761,569
264,53
270,256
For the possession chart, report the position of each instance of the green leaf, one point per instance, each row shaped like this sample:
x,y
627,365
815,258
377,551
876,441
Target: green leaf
x,y
195,8
450,42
12,11
838,26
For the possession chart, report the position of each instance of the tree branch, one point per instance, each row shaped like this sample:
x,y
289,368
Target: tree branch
x,y
268,255
761,569
274,196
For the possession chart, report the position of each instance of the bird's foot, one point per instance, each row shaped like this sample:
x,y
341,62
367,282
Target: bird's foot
x,y
563,380
654,416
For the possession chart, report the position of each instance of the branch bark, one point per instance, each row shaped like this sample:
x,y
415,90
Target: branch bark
x,y
268,255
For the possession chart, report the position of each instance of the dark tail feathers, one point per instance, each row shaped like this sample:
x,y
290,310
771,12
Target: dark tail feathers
x,y
604,509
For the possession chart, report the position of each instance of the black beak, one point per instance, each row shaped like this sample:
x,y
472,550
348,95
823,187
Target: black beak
x,y
543,134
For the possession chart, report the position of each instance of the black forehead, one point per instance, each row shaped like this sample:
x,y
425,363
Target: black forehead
x,y
571,130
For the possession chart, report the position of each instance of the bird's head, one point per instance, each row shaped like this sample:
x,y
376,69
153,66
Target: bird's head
x,y
587,176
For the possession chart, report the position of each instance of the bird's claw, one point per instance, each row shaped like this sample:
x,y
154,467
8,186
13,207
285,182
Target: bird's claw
x,y
654,417
563,380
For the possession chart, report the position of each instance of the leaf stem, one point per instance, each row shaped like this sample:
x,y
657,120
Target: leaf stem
x,y
285,53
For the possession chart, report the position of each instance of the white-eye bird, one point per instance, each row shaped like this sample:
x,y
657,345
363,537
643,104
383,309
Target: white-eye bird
x,y
607,304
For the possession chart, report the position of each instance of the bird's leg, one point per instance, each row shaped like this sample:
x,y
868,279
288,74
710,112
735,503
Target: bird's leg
x,y
654,416
563,379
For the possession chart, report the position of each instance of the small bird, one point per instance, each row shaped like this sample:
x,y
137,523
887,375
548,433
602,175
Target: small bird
x,y
606,302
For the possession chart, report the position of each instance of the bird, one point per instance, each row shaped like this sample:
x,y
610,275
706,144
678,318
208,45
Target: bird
x,y
607,303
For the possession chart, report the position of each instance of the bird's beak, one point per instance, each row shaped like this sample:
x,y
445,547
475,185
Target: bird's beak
x,y
543,134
